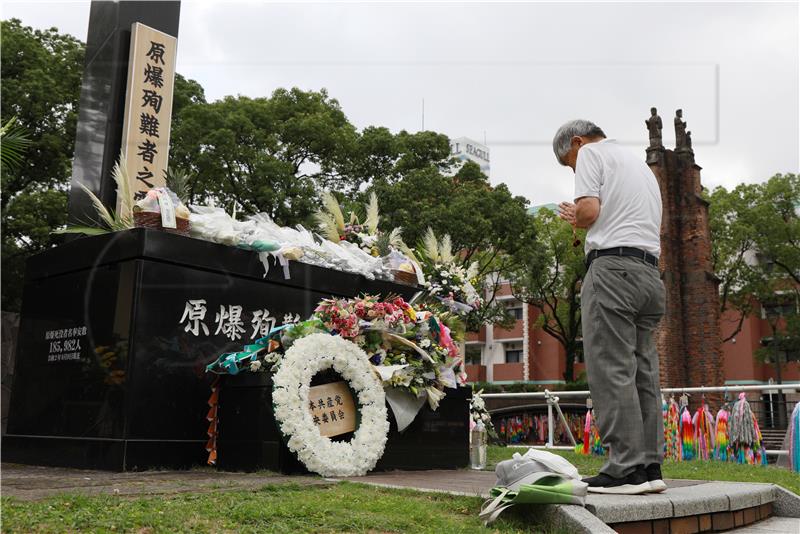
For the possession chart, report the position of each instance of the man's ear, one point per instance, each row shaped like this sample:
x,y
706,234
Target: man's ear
x,y
576,141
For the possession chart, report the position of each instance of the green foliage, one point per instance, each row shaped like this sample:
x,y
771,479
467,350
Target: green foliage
x,y
755,236
380,156
177,181
270,155
785,341
549,277
579,384
41,74
776,216
477,216
13,142
184,94
487,224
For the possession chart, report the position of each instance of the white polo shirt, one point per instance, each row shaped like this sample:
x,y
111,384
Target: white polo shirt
x,y
630,199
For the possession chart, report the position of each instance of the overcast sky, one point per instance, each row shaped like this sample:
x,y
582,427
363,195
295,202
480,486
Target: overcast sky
x,y
511,73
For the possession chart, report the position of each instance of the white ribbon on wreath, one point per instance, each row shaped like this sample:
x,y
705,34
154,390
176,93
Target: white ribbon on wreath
x,y
292,382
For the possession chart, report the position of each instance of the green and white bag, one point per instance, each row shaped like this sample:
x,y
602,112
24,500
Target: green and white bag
x,y
525,480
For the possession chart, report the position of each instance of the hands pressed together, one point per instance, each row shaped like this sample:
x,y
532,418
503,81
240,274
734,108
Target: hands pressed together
x,y
566,210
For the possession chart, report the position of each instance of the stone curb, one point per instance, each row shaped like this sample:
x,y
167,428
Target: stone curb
x,y
787,503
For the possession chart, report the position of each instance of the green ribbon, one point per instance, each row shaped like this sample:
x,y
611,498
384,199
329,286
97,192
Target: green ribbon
x,y
233,362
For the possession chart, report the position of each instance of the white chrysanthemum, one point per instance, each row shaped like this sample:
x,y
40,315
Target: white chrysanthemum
x,y
319,454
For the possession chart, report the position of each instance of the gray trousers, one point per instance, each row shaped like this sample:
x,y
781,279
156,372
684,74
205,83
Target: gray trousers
x,y
622,301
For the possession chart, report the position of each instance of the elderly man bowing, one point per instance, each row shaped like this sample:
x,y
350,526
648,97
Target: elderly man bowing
x,y
622,299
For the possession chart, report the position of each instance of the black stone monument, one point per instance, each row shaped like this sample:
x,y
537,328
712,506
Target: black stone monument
x,y
102,104
110,368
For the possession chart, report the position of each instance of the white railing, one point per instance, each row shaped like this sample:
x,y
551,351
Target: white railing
x,y
700,389
552,398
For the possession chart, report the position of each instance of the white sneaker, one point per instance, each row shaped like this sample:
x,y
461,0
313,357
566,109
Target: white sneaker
x,y
657,484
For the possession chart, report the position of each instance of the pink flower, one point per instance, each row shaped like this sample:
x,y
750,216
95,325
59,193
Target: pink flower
x,y
447,341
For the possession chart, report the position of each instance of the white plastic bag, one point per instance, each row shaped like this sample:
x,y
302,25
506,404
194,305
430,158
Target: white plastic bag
x,y
556,464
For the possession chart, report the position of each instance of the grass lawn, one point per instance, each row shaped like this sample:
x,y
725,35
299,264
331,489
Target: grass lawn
x,y
342,507
695,469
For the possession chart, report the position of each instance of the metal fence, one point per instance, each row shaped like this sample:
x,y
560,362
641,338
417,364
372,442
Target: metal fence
x,y
772,408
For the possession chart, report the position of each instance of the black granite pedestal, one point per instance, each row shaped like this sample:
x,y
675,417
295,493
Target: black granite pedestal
x,y
249,438
115,335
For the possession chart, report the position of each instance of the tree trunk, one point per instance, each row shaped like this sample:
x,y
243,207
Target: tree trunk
x,y
780,411
569,370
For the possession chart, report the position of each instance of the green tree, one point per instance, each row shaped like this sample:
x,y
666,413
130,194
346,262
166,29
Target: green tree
x,y
380,156
486,223
41,75
269,155
549,275
755,237
41,72
184,94
775,215
732,253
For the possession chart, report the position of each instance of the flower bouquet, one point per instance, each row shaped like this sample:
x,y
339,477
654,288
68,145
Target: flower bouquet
x,y
366,236
478,412
163,210
447,281
411,350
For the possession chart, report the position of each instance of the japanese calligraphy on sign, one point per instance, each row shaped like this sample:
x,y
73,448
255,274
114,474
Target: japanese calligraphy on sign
x,y
148,107
332,408
230,321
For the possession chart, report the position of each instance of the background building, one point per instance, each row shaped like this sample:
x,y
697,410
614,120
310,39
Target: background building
x,y
465,149
523,353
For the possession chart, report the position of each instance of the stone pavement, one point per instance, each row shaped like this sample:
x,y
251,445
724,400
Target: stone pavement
x,y
28,482
773,525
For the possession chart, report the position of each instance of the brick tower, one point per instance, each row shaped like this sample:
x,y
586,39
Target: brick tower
x,y
688,338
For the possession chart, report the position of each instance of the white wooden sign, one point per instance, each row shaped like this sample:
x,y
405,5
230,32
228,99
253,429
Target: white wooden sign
x,y
148,107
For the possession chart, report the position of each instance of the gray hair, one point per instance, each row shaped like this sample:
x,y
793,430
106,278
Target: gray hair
x,y
564,135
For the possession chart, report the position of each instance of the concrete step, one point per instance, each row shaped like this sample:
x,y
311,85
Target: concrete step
x,y
687,506
773,525
772,439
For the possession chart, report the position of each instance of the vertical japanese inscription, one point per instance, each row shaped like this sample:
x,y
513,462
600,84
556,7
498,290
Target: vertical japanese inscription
x,y
332,408
148,107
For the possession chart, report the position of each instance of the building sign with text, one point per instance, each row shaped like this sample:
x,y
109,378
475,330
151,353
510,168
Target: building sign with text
x,y
148,107
465,149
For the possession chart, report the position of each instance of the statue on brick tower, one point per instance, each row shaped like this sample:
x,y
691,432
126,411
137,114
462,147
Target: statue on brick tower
x,y
654,126
688,144
680,130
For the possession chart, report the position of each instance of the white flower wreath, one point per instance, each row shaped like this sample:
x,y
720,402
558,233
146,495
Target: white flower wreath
x,y
291,387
